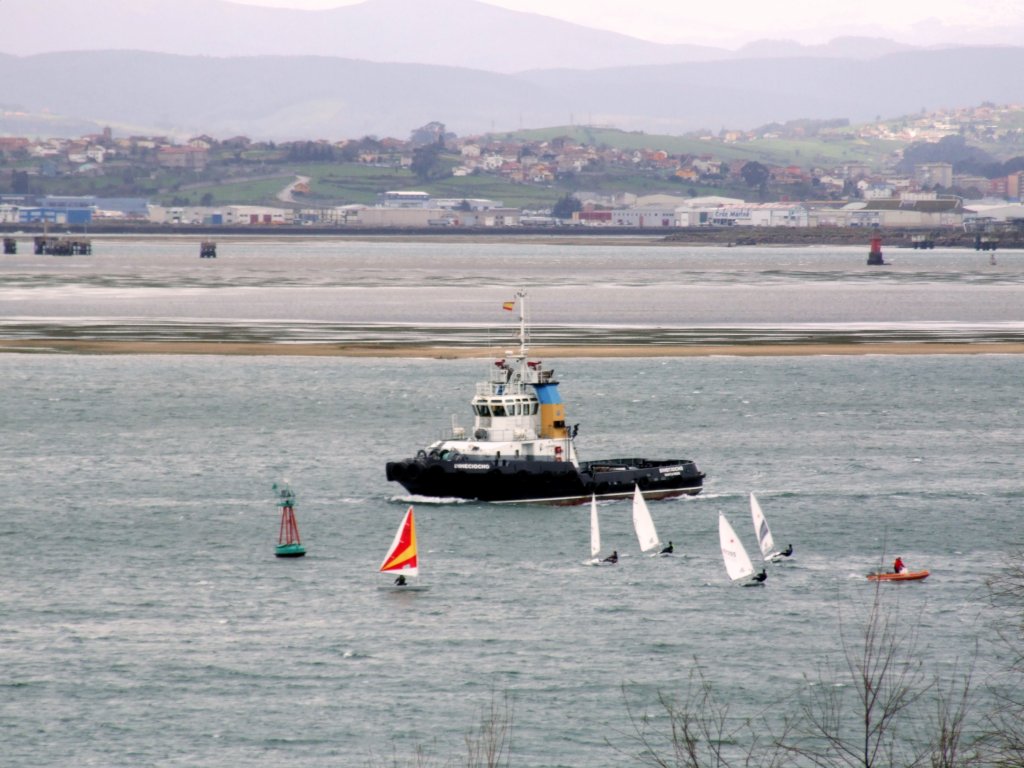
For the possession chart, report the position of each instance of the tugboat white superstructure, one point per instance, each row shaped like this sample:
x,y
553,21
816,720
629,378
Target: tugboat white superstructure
x,y
521,450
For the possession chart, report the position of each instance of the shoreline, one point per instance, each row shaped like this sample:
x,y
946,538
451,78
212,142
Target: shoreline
x,y
734,236
264,349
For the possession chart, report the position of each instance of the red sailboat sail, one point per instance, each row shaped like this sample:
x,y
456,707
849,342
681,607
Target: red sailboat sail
x,y
401,556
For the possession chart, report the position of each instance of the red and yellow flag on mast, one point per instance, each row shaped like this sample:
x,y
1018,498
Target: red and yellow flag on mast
x,y
509,305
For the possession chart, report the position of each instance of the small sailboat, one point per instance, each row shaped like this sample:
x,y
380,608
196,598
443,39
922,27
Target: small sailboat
x,y
288,542
737,562
764,534
595,539
642,522
402,558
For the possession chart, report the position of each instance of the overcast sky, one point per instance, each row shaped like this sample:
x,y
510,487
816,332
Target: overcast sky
x,y
734,22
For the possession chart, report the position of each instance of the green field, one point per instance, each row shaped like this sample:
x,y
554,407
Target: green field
x,y
835,147
261,191
333,184
348,183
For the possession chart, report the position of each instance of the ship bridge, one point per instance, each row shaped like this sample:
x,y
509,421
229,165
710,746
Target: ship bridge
x,y
520,401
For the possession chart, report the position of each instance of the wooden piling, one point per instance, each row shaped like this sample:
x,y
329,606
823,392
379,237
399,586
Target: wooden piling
x,y
45,245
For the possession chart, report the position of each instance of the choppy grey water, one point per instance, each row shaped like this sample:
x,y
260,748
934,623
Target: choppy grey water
x,y
146,621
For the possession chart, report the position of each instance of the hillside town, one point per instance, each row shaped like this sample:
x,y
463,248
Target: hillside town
x,y
143,179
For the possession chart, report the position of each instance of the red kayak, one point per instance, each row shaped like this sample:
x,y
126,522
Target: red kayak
x,y
905,576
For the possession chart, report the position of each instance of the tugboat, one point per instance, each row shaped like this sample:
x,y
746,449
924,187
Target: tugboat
x,y
521,451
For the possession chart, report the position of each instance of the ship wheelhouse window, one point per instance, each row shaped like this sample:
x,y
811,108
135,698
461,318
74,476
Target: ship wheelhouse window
x,y
482,409
497,409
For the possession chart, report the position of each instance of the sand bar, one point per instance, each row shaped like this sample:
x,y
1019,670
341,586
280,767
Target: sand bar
x,y
231,348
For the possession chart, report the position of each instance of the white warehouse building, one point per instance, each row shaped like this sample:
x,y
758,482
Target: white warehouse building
x,y
644,216
761,215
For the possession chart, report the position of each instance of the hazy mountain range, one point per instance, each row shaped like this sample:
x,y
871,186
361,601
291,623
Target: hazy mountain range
x,y
387,66
459,33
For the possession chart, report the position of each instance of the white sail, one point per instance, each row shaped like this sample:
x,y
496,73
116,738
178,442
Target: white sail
x,y
642,522
737,562
761,530
595,529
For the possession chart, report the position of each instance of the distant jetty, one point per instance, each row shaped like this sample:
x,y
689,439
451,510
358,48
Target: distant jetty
x,y
61,246
894,238
811,236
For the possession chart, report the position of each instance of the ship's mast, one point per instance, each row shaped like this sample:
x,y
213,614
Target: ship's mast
x,y
521,296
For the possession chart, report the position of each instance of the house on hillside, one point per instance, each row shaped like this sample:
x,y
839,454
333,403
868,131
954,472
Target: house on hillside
x,y
190,158
854,171
12,144
790,174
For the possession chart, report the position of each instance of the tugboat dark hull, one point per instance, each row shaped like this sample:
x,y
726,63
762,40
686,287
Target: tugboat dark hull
x,y
545,482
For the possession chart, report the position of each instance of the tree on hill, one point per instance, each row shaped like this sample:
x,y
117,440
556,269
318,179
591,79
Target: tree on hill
x,y
756,174
953,150
353,149
426,162
431,133
565,207
19,182
310,151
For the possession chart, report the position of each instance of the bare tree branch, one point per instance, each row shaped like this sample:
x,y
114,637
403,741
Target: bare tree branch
x,y
697,731
490,745
882,668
